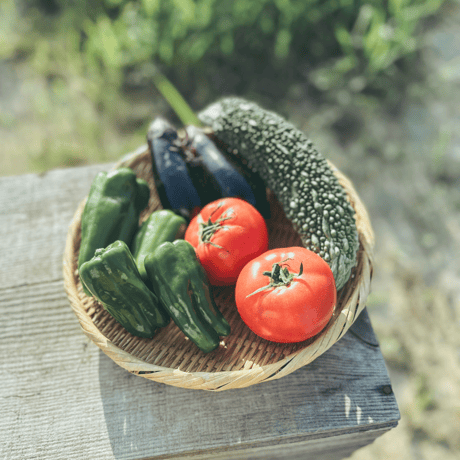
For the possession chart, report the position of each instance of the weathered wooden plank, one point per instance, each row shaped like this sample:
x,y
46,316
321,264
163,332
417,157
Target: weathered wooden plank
x,y
336,392
35,212
60,397
333,447
56,385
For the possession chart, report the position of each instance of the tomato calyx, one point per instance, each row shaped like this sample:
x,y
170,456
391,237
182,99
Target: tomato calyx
x,y
207,229
279,276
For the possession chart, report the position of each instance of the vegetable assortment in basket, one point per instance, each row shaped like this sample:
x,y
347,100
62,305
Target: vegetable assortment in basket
x,y
163,280
297,173
248,150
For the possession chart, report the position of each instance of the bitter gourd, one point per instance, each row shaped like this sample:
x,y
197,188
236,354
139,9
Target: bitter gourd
x,y
297,173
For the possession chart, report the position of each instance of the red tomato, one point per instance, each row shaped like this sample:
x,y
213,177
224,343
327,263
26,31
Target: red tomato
x,y
282,302
226,235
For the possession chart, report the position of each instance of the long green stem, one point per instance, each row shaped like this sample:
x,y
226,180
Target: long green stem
x,y
175,100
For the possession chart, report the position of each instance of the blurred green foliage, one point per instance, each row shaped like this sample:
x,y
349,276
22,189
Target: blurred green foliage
x,y
115,36
82,57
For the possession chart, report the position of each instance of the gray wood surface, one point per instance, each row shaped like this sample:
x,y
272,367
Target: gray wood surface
x,y
62,398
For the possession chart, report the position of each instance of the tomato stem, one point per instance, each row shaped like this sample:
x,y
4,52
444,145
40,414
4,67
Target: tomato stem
x,y
279,276
207,229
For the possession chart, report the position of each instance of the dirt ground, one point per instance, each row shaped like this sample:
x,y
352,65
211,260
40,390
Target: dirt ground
x,y
415,304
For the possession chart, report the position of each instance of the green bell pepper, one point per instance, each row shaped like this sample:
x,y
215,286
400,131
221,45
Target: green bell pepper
x,y
112,277
180,282
160,227
112,211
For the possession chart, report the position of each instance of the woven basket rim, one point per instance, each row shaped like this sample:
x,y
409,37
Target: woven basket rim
x,y
222,380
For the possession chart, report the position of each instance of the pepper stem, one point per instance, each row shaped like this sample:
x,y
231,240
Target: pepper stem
x,y
279,276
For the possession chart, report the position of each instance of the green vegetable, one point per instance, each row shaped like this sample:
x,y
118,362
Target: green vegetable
x,y
297,173
181,285
112,211
112,277
160,227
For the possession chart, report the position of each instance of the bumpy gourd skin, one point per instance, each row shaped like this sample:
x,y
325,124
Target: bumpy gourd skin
x,y
297,173
112,210
112,277
180,282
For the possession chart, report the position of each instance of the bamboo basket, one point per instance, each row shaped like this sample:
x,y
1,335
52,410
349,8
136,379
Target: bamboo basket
x,y
242,359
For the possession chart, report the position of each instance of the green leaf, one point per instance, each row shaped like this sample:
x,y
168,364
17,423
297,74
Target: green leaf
x,y
151,7
282,44
344,38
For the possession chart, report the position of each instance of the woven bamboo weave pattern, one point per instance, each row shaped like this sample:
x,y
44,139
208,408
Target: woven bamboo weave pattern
x,y
242,359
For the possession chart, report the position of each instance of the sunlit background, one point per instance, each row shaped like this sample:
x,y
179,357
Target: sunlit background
x,y
375,84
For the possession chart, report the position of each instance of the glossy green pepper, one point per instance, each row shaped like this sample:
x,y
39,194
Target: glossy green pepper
x,y
112,277
161,226
180,282
111,211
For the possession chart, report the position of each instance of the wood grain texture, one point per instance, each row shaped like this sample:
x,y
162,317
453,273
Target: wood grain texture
x,y
61,398
35,213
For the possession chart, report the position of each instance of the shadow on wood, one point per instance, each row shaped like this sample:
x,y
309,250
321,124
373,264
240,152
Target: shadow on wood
x,y
329,408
